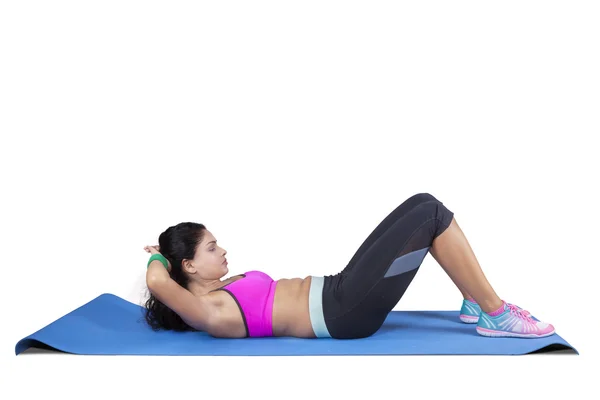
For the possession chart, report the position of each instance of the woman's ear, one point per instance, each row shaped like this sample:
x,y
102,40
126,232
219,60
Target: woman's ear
x,y
188,266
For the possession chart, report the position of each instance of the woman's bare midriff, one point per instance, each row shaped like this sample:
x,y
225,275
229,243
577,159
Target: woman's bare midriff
x,y
290,311
290,308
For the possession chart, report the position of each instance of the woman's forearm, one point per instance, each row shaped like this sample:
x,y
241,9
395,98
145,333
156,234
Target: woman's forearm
x,y
156,273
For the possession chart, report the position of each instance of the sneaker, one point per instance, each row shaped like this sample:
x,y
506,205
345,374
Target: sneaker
x,y
513,322
469,312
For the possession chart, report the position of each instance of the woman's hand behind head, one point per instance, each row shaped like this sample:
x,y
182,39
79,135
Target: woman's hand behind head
x,y
152,249
156,250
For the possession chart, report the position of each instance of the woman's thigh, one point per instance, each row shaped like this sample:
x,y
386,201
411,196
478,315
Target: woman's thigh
x,y
357,300
400,211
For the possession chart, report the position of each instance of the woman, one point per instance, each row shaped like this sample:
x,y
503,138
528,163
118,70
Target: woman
x,y
187,293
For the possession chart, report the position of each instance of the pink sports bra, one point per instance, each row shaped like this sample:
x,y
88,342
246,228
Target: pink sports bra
x,y
254,295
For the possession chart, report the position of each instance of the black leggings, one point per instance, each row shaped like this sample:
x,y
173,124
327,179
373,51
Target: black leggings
x,y
355,302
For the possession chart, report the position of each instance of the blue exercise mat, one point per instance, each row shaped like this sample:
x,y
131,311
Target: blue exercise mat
x,y
110,325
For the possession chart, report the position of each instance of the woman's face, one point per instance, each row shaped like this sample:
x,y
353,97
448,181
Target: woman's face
x,y
209,259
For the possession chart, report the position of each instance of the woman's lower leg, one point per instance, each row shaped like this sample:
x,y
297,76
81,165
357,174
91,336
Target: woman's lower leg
x,y
454,254
464,293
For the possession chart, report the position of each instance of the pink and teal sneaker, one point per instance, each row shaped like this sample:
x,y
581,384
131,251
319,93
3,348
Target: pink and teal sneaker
x,y
513,322
469,312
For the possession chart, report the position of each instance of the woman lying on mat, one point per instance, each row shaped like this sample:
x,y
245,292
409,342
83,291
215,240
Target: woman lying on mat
x,y
187,293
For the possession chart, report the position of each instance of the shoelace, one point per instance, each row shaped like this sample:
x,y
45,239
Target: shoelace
x,y
519,312
514,305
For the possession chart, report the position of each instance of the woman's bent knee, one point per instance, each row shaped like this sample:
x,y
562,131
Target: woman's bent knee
x,y
424,197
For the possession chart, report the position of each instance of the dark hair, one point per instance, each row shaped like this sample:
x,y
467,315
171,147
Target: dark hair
x,y
177,243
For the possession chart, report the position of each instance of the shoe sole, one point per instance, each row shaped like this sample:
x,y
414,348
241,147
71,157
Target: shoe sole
x,y
468,319
493,333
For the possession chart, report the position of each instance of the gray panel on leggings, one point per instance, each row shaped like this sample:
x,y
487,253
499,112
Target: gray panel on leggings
x,y
407,262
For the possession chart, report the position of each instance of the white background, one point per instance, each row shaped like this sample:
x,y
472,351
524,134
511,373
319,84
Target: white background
x,y
291,129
